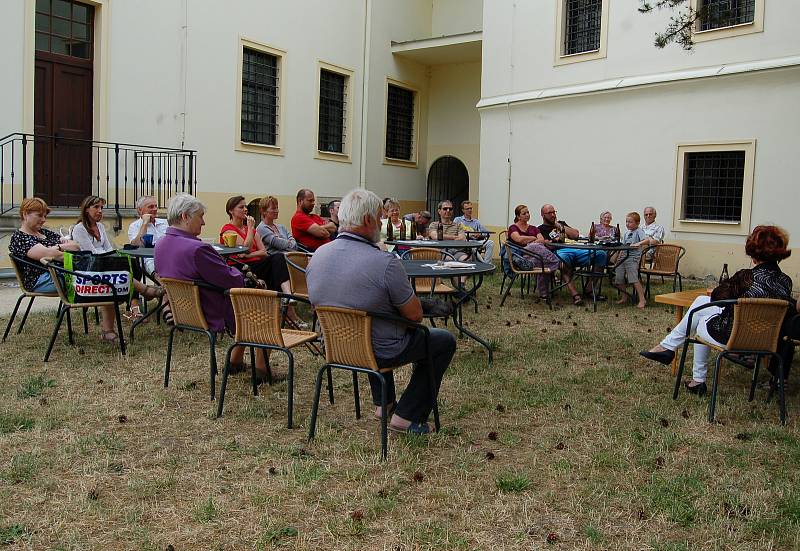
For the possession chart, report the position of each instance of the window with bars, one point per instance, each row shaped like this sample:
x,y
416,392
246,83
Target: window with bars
x,y
64,27
260,82
718,14
400,123
332,112
714,182
582,26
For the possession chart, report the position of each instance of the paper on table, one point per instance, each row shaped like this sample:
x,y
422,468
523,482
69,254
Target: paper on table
x,y
450,265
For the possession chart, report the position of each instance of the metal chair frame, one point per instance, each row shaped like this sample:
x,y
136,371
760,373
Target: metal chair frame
x,y
65,306
514,250
202,328
728,349
369,367
278,343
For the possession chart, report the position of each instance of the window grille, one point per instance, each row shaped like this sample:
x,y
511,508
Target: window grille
x,y
582,26
400,124
718,14
64,27
332,104
714,182
260,82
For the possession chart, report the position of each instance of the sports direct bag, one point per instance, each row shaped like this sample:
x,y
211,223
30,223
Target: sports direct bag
x,y
96,269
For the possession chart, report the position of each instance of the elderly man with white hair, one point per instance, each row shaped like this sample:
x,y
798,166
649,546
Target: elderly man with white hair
x,y
147,223
352,272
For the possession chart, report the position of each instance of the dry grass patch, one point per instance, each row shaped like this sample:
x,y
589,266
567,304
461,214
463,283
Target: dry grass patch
x,y
570,440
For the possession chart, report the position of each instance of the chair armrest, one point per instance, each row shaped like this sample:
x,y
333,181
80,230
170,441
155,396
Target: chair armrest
x,y
25,261
717,303
522,252
400,320
209,286
295,266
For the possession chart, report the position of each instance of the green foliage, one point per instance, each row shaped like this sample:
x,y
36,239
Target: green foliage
x,y
23,467
205,511
676,497
594,535
13,533
512,482
34,386
13,422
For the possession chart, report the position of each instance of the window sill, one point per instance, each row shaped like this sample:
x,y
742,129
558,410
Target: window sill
x,y
590,55
399,162
263,149
331,156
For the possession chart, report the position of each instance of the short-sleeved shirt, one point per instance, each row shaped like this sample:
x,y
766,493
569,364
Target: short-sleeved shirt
x,y
351,272
473,224
300,224
547,229
88,242
21,243
654,231
532,231
633,236
157,228
449,231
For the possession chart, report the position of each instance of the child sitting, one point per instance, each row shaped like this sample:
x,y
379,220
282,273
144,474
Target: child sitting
x,y
628,269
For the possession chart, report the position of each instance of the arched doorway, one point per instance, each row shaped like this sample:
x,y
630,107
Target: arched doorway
x,y
447,179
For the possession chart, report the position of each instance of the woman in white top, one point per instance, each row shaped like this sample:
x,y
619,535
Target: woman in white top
x,y
91,235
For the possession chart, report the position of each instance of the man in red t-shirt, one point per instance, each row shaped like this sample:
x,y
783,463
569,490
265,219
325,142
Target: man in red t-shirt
x,y
310,230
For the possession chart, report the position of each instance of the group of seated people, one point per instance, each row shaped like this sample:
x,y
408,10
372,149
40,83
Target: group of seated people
x,y
534,239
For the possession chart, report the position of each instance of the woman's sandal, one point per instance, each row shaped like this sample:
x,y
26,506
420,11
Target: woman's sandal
x,y
167,315
109,337
133,314
577,300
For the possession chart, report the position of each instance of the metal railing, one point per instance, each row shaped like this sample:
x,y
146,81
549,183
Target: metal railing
x,y
63,171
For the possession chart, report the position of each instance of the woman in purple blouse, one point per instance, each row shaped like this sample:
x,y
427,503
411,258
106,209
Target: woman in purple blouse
x,y
180,254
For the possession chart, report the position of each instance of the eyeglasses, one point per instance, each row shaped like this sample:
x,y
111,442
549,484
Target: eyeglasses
x,y
550,212
447,208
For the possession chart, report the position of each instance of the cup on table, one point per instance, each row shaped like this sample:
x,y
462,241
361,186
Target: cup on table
x,y
147,240
229,239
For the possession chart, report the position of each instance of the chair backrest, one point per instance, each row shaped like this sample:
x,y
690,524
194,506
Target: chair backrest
x,y
184,301
258,316
348,336
296,263
426,253
666,258
21,280
757,324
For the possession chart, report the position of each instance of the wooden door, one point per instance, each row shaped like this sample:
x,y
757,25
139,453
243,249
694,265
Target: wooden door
x,y
63,102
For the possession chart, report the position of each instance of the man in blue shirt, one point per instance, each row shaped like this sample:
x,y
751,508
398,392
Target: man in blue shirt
x,y
470,224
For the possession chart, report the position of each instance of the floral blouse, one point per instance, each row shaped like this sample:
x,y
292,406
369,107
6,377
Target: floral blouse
x,y
21,243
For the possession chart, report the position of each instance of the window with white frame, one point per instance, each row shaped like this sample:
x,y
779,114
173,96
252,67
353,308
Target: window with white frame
x,y
581,32
400,123
727,18
717,14
714,186
260,107
332,129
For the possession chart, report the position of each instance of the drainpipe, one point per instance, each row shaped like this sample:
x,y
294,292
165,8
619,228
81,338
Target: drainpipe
x,y
362,165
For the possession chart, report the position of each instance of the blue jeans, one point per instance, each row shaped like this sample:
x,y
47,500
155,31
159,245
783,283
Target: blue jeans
x,y
582,257
415,403
44,284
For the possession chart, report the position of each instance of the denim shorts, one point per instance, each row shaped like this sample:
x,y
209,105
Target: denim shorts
x,y
44,284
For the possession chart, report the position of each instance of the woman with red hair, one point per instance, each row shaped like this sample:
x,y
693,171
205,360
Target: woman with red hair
x,y
766,246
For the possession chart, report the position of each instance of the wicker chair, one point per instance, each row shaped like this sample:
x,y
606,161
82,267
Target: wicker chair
x,y
296,263
187,313
258,326
15,262
57,273
348,346
513,251
430,285
665,263
756,330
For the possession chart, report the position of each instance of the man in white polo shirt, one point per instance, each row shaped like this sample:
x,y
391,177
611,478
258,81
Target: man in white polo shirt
x,y
147,223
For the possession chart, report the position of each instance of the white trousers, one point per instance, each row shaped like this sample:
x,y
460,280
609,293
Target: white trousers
x,y
674,341
488,254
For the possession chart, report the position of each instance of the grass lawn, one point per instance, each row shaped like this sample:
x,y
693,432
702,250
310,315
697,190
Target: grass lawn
x,y
570,440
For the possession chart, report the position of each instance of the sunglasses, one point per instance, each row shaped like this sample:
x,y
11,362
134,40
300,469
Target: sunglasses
x,y
447,208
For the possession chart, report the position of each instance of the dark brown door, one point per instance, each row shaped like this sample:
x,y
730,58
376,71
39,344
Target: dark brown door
x,y
63,102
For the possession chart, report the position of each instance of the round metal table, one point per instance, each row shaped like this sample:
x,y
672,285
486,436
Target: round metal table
x,y
593,272
428,268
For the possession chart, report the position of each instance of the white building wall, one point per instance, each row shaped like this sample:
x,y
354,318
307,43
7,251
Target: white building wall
x,y
456,16
454,125
12,39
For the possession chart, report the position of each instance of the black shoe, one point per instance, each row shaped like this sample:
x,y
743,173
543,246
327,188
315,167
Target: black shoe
x,y
664,357
700,389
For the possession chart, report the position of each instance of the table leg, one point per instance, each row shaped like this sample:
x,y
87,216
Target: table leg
x,y
457,318
678,318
